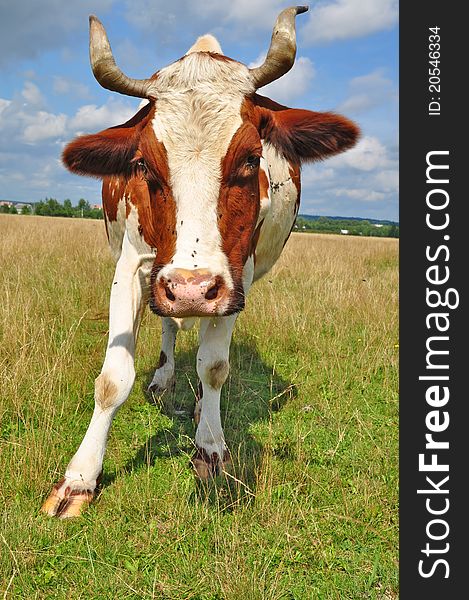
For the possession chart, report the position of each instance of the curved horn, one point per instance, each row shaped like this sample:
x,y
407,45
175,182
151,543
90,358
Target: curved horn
x,y
282,51
106,71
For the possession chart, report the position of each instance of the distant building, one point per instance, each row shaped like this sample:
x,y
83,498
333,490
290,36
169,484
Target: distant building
x,y
378,224
6,203
344,231
96,206
21,206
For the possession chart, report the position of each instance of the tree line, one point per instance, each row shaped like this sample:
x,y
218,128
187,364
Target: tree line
x,y
50,207
352,226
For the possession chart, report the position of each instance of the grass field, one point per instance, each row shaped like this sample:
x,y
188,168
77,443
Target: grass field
x,y
310,412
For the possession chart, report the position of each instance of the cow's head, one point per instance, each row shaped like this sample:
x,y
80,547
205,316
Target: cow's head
x,y
192,162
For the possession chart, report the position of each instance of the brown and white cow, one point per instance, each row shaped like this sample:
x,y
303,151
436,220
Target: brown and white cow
x,y
201,189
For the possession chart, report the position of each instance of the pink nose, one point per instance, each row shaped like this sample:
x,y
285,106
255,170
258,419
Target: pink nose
x,y
184,293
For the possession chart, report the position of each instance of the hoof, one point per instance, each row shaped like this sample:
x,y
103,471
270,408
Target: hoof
x,y
207,467
159,389
66,501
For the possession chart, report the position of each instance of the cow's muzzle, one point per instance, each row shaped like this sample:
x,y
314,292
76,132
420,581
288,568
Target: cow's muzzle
x,y
185,293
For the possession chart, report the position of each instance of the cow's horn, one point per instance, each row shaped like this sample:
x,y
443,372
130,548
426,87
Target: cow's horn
x,y
107,72
282,51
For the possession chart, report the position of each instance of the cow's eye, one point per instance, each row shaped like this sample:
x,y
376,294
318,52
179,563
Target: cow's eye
x,y
140,164
253,161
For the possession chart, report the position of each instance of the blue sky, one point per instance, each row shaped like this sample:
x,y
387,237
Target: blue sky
x,y
347,61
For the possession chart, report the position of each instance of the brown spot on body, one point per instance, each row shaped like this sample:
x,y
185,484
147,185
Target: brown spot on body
x,y
112,192
217,373
105,391
263,184
295,175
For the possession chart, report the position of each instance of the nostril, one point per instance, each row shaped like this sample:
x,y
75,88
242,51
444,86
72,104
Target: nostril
x,y
212,293
169,294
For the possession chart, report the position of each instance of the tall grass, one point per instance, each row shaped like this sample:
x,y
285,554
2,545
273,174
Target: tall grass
x,y
309,507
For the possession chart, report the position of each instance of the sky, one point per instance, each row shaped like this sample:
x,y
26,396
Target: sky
x,y
347,62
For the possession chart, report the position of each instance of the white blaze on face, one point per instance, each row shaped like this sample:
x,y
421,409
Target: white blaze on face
x,y
195,120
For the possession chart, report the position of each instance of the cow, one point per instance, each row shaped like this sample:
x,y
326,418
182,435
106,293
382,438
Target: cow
x,y
200,192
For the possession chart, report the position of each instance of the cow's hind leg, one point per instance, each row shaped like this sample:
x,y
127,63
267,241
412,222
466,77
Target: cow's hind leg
x,y
212,369
112,387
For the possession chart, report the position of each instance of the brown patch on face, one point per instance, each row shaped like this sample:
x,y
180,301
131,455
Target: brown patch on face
x,y
218,373
238,203
148,190
105,391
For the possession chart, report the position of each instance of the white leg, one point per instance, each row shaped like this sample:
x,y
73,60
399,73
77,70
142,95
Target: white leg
x,y
212,368
112,387
163,378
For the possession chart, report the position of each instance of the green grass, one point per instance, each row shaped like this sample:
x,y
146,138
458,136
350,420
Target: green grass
x,y
310,412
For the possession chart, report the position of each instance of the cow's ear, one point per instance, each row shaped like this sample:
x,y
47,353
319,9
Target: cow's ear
x,y
304,135
109,152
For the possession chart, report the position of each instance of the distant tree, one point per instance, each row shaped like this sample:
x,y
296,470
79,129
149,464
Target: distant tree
x,y
83,207
4,208
68,208
55,208
26,210
13,210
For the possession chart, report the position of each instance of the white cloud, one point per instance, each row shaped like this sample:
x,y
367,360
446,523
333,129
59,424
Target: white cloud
x,y
345,19
369,154
364,181
92,118
387,181
30,124
44,126
32,94
242,14
260,13
316,173
293,84
4,104
362,194
367,92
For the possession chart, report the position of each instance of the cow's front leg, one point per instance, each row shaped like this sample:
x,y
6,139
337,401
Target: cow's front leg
x,y
163,379
212,368
112,387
